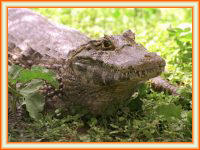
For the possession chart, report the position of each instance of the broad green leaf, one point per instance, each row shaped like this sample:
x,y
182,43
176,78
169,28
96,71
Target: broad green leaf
x,y
169,111
32,87
38,72
14,73
33,99
34,104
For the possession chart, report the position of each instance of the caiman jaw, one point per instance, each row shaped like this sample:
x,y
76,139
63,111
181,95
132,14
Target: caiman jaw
x,y
148,69
138,75
140,72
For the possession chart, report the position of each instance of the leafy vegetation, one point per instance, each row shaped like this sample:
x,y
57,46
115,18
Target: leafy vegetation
x,y
148,116
24,86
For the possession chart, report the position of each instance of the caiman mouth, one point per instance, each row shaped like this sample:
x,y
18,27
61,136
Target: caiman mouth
x,y
143,74
146,69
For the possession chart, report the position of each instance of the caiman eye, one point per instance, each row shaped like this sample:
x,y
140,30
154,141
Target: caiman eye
x,y
106,43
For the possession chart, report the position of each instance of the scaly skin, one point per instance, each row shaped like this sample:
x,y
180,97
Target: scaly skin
x,y
97,74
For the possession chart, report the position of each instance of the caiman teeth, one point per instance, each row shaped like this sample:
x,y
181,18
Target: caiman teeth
x,y
148,73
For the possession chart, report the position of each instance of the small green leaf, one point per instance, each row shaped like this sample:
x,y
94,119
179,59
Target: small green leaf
x,y
93,121
114,126
169,111
178,29
114,132
121,119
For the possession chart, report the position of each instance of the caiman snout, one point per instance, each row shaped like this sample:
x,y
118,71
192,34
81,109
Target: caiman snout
x,y
153,59
150,55
149,66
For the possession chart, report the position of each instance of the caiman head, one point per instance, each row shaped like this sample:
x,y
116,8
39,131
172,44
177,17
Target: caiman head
x,y
109,69
118,58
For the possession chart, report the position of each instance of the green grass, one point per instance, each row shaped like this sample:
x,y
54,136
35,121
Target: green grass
x,y
144,118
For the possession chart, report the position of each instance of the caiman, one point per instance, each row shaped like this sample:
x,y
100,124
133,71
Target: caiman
x,y
97,74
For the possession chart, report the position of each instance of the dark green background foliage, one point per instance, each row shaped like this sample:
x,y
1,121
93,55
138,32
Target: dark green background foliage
x,y
148,116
